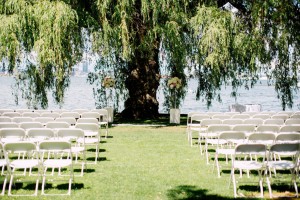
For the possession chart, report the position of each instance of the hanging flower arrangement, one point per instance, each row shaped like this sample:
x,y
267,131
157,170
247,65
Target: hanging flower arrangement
x,y
174,83
108,82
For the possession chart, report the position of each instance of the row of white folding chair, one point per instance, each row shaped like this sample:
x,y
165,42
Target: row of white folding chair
x,y
266,163
210,136
38,156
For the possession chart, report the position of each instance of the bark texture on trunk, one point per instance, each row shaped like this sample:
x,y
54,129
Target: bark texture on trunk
x,y
142,84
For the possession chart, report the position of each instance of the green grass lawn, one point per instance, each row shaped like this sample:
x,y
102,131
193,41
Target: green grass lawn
x,y
140,162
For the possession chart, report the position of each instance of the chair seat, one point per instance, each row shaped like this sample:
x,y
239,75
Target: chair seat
x,y
56,163
88,140
2,162
225,151
90,133
248,165
281,164
77,149
22,164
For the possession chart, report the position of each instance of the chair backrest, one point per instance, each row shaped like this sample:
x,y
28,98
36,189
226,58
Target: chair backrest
x,y
290,128
53,115
234,137
190,114
42,111
80,111
221,116
274,121
70,134
261,116
70,120
43,120
246,128
103,114
253,149
287,138
90,114
55,146
8,125
254,121
5,119
22,119
280,116
28,125
11,114
90,129
206,122
21,146
241,116
292,121
268,128
75,115
218,128
31,114
295,116
233,121
40,134
262,138
56,125
21,111
289,113
6,110
287,149
197,118
12,134
88,120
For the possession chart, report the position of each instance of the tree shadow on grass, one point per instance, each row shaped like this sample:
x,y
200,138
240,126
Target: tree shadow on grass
x,y
190,192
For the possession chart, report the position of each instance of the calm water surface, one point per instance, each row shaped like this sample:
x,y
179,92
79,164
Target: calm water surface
x,y
80,95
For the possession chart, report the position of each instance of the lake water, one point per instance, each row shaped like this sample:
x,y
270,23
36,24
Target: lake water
x,y
80,95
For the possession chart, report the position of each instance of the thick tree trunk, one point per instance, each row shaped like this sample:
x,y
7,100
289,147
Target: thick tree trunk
x,y
142,84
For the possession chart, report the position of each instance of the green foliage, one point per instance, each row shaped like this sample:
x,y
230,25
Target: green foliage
x,y
214,45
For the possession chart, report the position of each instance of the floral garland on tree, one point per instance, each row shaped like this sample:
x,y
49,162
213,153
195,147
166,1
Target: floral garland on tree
x,y
108,82
174,83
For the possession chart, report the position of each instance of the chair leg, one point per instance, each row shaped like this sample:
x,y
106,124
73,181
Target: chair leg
x,y
234,184
4,185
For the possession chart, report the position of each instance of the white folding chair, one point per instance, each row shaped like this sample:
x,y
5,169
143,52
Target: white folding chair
x,y
29,161
90,114
280,116
56,125
261,116
226,145
287,138
56,155
92,136
246,128
203,130
3,164
212,135
194,124
242,161
290,150
104,119
77,139
88,120
241,116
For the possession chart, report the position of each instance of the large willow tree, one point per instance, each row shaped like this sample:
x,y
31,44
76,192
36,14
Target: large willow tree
x,y
141,40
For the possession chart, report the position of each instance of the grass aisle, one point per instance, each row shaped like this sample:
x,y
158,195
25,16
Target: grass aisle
x,y
151,163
